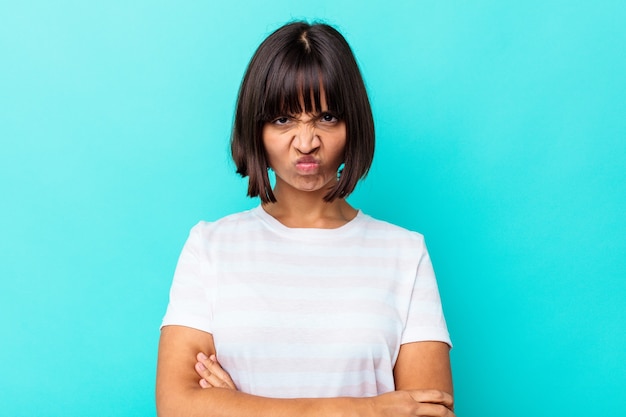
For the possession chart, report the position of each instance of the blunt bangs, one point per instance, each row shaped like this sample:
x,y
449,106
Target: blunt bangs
x,y
296,80
290,70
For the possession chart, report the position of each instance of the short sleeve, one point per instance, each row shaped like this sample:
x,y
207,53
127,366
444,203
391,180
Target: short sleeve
x,y
189,304
425,319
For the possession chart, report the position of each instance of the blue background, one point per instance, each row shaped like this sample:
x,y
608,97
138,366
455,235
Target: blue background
x,y
501,136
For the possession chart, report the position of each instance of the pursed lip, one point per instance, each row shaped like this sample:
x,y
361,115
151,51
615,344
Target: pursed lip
x,y
307,163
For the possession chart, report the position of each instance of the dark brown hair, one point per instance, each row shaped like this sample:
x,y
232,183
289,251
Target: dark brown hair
x,y
295,58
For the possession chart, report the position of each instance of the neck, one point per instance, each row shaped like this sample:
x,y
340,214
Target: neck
x,y
308,209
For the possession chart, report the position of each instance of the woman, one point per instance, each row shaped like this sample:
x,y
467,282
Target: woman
x,y
311,306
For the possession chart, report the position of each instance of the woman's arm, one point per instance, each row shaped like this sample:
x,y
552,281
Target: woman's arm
x,y
424,365
179,393
420,365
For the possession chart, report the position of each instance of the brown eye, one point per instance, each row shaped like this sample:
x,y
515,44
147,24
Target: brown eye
x,y
281,120
328,118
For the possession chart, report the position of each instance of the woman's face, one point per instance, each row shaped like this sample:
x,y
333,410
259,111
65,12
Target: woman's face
x,y
305,150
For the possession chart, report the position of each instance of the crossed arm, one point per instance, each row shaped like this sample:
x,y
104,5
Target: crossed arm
x,y
186,388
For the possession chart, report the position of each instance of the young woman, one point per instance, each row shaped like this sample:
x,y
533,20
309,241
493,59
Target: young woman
x,y
303,306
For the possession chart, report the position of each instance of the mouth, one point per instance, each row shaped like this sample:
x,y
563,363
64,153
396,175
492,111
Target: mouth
x,y
307,164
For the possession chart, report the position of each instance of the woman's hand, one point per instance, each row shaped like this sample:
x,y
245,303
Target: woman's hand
x,y
424,403
211,373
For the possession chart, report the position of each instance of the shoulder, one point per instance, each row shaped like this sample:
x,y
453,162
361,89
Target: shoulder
x,y
227,221
241,222
384,229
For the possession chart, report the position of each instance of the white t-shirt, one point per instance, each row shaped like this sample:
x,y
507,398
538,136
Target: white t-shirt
x,y
307,312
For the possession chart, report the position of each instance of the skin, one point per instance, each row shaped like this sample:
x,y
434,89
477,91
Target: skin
x,y
305,152
179,391
290,142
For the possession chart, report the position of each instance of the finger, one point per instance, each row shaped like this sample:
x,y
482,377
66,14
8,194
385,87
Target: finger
x,y
433,410
217,370
433,397
218,376
211,371
201,357
203,372
216,382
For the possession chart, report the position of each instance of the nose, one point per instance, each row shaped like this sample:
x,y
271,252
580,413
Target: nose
x,y
306,140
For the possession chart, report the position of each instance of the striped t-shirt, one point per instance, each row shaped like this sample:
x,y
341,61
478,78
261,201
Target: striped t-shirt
x,y
307,312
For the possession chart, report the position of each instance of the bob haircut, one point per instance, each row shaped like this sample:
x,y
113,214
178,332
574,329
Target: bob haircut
x,y
298,58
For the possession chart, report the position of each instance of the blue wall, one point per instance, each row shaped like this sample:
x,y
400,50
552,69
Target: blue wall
x,y
501,137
